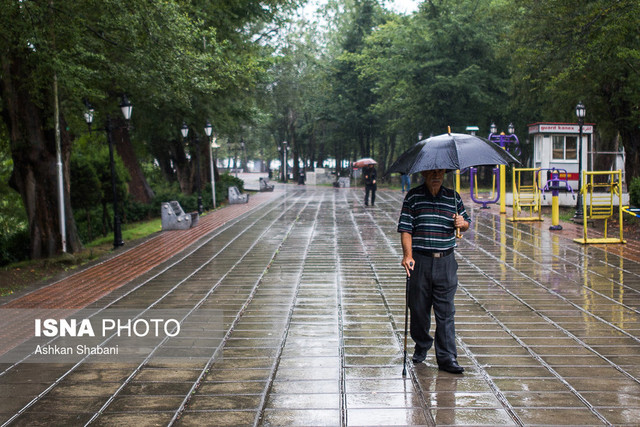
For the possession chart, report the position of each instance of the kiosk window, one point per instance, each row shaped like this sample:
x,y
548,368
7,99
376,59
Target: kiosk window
x,y
565,147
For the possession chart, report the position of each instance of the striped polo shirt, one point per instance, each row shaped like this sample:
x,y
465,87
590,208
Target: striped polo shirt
x,y
429,219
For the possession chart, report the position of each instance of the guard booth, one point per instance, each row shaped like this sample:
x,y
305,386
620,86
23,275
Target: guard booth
x,y
555,146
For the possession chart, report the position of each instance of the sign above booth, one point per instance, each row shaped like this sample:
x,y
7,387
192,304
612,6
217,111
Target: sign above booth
x,y
559,128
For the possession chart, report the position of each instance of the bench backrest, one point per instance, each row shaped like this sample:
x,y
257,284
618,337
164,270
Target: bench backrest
x,y
234,192
177,209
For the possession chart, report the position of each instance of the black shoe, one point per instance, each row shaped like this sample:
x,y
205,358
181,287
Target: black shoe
x,y
451,367
419,355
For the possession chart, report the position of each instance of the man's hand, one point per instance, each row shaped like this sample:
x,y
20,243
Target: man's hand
x,y
460,222
407,252
408,264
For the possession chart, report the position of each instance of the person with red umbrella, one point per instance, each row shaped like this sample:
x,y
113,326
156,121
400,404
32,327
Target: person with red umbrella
x,y
370,176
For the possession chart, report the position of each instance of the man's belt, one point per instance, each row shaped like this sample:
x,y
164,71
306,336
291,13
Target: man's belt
x,y
433,254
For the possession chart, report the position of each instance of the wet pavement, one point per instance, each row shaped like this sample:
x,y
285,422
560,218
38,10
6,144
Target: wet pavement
x,y
310,296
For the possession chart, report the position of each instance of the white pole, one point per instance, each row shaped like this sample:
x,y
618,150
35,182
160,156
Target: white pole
x,y
63,230
213,178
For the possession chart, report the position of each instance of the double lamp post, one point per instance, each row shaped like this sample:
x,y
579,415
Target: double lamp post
x,y
208,130
126,108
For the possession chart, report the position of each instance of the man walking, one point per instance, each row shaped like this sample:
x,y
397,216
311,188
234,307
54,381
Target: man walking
x,y
406,182
370,184
430,216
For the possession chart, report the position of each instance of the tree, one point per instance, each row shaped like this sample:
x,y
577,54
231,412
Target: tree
x,y
87,189
433,69
353,92
53,54
570,51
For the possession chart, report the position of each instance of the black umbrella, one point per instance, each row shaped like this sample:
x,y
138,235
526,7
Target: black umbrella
x,y
451,151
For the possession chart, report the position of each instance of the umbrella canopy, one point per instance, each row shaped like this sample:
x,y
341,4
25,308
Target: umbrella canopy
x,y
364,162
451,151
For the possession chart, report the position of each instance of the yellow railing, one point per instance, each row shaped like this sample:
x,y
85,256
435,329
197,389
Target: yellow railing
x,y
526,195
598,193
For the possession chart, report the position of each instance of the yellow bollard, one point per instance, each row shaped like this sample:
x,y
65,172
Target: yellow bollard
x,y
555,201
503,189
555,213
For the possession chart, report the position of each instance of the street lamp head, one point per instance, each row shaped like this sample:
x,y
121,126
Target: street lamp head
x,y
88,112
184,130
419,136
88,116
511,129
580,111
208,129
126,108
493,128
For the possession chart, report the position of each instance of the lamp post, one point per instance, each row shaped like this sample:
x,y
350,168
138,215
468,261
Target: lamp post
x,y
184,130
127,108
580,113
235,158
284,154
244,155
208,130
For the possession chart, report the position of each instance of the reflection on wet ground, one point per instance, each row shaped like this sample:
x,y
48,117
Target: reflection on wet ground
x,y
312,299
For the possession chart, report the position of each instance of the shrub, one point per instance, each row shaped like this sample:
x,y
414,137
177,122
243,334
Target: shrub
x,y
634,192
14,246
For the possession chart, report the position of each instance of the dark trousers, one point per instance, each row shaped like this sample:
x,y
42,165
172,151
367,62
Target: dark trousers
x,y
370,188
433,283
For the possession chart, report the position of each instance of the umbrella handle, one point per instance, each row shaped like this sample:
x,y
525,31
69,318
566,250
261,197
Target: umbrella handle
x,y
455,202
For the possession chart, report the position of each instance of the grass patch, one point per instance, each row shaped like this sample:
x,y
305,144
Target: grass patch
x,y
565,214
133,231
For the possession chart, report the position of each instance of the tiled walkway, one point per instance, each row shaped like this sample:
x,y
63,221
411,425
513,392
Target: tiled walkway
x,y
311,296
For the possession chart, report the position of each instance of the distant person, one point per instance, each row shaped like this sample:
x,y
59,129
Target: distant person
x,y
370,175
428,221
406,182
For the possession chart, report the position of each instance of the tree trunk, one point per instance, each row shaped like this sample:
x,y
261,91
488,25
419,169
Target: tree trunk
x,y
138,186
34,174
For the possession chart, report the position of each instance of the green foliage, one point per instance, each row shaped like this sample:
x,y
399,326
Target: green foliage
x,y
87,190
91,186
634,192
13,247
12,213
13,222
564,52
